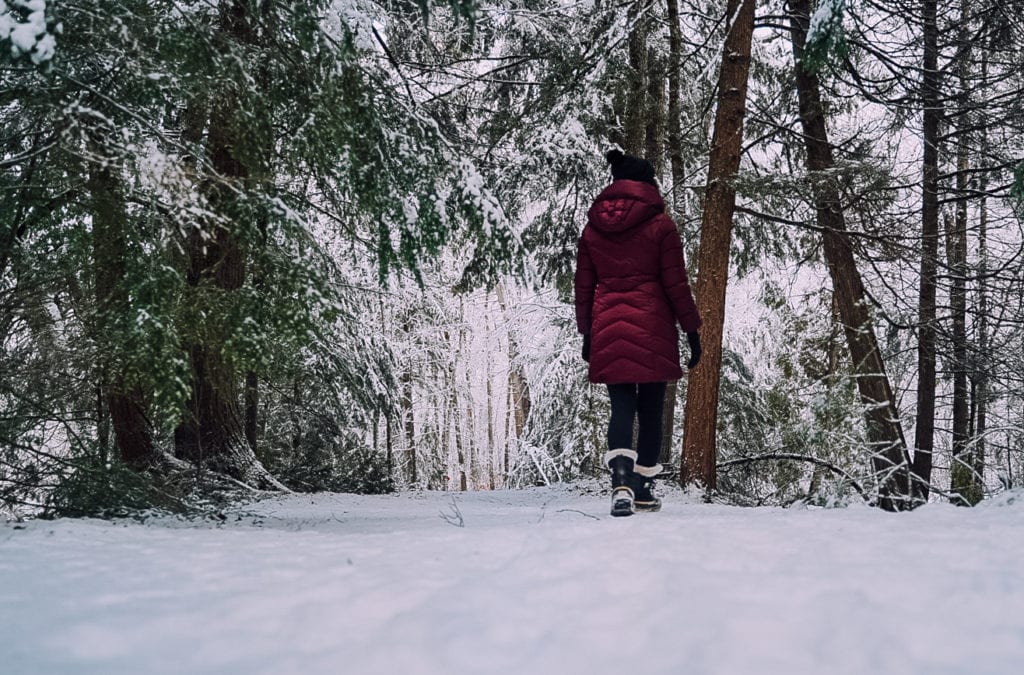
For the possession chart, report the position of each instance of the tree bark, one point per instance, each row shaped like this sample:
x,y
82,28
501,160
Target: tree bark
x,y
965,485
654,105
518,386
924,431
409,426
699,452
889,460
981,359
674,150
252,410
673,130
636,106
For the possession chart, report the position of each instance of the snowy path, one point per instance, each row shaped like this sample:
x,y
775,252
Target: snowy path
x,y
537,581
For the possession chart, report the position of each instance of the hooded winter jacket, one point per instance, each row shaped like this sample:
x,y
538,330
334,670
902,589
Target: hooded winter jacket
x,y
631,287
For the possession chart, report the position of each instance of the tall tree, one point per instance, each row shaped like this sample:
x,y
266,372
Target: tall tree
x,y
982,356
924,430
674,148
888,448
699,452
638,118
966,486
213,432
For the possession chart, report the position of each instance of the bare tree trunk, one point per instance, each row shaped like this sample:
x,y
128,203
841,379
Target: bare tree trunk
x,y
672,124
654,134
464,442
677,170
962,483
668,421
981,359
889,459
636,110
409,426
102,423
964,486
924,432
488,469
518,387
389,445
252,406
699,451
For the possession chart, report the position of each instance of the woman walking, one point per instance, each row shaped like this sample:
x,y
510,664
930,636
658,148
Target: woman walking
x,y
631,292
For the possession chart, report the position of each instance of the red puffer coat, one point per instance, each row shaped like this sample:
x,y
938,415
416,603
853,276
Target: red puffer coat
x,y
631,287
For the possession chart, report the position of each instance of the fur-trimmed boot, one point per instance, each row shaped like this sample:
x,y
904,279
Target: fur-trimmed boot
x,y
644,498
620,463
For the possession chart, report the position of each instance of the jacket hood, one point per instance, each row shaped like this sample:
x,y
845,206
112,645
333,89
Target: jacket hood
x,y
623,205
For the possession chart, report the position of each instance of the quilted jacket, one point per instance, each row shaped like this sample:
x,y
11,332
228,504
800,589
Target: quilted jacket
x,y
631,287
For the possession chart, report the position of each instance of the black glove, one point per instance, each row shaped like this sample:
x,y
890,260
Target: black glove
x,y
695,350
586,347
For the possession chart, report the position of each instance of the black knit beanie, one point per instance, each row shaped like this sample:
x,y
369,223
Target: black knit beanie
x,y
629,167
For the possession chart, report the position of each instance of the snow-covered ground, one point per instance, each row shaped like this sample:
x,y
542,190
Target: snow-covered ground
x,y
535,581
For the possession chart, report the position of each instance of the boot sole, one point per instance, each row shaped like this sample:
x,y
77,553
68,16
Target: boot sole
x,y
620,509
646,507
622,503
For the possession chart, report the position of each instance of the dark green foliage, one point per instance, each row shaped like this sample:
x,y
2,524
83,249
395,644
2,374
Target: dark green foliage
x,y
379,162
826,42
1018,182
326,456
93,490
332,158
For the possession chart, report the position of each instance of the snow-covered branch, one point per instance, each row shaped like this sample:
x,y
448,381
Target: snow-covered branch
x,y
30,28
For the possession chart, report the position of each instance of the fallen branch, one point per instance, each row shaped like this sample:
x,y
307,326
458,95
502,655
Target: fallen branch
x,y
781,456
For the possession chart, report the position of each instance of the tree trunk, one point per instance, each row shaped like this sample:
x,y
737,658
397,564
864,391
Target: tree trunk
x,y
672,124
677,170
654,105
981,358
102,423
924,431
699,452
252,409
635,132
214,433
889,460
668,421
125,403
964,486
488,455
409,426
518,386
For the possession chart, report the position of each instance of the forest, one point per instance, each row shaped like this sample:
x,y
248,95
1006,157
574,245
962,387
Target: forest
x,y
253,246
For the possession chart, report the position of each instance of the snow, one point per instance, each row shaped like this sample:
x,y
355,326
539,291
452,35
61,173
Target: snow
x,y
30,36
536,581
826,18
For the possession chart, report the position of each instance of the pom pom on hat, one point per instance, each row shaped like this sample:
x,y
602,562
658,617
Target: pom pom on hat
x,y
628,167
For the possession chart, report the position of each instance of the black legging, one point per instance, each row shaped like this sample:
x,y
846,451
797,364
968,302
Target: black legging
x,y
644,402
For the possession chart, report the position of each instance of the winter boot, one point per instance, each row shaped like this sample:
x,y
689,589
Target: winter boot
x,y
620,463
644,498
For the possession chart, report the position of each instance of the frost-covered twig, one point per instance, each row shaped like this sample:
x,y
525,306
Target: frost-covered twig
x,y
582,513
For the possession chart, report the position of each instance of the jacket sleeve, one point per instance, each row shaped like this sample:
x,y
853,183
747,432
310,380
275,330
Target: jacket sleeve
x,y
674,280
584,283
